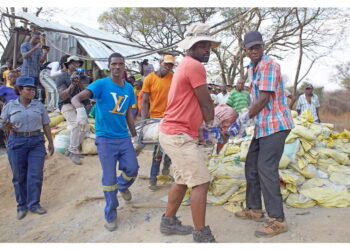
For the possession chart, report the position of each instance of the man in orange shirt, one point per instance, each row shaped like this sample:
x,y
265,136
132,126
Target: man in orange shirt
x,y
189,103
155,97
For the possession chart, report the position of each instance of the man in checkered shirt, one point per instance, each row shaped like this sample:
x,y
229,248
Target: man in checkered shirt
x,y
309,101
273,122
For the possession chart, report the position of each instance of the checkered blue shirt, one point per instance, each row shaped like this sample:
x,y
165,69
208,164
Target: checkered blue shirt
x,y
276,115
31,64
303,105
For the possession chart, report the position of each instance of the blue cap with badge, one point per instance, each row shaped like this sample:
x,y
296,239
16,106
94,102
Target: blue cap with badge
x,y
25,81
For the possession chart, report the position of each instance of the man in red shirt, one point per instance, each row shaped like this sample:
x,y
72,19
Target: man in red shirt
x,y
189,103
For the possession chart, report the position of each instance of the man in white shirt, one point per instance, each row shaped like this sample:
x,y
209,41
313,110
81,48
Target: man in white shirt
x,y
222,96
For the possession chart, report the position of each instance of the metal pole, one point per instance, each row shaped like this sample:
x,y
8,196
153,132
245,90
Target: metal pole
x,y
14,61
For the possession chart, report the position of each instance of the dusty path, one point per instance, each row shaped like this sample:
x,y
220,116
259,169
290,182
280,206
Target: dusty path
x,y
71,219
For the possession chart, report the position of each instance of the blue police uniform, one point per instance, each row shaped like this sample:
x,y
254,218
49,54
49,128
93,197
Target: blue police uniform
x,y
26,148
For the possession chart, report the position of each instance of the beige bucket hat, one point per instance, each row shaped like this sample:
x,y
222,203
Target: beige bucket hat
x,y
73,58
197,32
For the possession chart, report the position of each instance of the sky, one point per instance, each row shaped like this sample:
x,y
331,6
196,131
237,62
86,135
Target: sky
x,y
322,73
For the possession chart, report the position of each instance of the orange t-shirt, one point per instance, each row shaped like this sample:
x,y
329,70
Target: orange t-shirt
x,y
183,113
158,89
139,100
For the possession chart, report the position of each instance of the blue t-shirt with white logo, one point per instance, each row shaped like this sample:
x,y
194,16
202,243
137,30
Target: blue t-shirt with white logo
x,y
112,102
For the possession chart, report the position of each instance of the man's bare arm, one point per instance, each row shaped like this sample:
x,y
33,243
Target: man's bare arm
x,y
205,102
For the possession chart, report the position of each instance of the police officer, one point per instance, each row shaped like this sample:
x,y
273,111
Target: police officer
x,y
26,118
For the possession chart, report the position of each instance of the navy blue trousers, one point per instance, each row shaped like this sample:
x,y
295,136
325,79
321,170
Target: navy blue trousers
x,y
27,156
156,161
110,151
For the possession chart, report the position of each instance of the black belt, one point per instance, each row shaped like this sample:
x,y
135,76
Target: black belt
x,y
28,134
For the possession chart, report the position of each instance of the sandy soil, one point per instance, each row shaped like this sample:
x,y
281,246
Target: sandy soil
x,y
73,197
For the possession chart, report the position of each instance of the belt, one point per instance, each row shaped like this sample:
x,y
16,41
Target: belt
x,y
28,134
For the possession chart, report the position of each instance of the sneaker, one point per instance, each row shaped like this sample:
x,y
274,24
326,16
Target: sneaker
x,y
271,228
21,214
172,225
153,185
126,195
111,226
250,214
67,153
204,235
39,210
75,158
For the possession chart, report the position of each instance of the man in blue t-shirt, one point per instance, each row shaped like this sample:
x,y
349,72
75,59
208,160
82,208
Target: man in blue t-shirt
x,y
114,98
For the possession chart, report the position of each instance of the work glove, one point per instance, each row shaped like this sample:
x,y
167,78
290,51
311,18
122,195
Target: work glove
x,y
82,118
138,146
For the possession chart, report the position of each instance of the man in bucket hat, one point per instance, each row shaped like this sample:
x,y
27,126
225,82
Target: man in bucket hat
x,y
67,88
273,123
189,103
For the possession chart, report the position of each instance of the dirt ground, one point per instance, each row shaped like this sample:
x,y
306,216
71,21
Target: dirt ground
x,y
73,197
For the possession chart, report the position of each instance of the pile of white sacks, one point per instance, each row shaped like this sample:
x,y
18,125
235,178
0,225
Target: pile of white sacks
x,y
314,169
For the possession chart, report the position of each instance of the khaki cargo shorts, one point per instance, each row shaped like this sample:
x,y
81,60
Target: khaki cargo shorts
x,y
188,161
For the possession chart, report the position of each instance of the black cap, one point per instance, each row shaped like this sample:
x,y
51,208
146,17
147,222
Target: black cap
x,y
253,38
309,86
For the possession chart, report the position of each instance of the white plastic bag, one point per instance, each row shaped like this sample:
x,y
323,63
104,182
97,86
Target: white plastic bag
x,y
151,132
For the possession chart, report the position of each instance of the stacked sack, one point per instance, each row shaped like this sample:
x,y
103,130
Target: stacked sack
x,y
314,168
60,131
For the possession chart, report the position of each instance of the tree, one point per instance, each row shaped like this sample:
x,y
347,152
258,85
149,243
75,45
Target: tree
x,y
7,24
312,32
153,28
320,31
343,75
285,31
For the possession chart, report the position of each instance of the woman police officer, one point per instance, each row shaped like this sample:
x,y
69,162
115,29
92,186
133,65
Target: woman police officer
x,y
26,146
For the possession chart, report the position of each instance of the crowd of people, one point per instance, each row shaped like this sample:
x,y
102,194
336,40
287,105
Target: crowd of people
x,y
178,95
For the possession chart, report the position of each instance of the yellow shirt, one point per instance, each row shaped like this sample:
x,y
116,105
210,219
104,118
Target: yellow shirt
x,y
5,75
136,92
158,89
